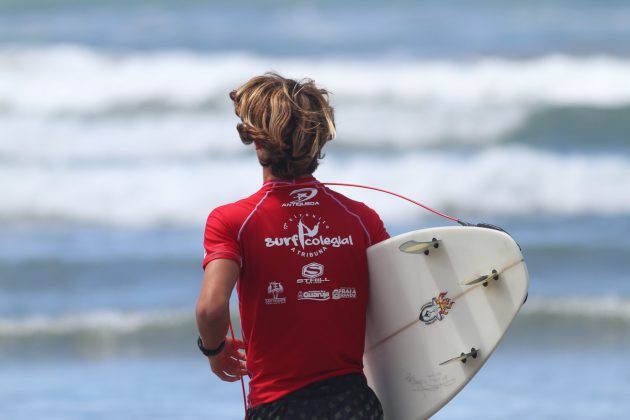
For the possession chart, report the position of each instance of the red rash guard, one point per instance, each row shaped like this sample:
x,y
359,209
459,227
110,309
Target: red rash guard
x,y
303,284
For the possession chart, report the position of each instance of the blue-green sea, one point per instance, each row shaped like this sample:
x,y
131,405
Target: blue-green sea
x,y
117,137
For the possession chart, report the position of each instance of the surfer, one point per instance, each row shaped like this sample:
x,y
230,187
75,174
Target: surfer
x,y
301,348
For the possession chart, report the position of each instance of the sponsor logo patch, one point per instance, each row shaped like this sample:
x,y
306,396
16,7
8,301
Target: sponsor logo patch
x,y
312,237
275,289
312,270
314,295
312,273
301,198
344,293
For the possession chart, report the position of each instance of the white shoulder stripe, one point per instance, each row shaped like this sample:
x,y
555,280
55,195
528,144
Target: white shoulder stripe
x,y
351,213
240,231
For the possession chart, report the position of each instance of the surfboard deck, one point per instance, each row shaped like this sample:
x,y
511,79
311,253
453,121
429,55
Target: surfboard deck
x,y
428,312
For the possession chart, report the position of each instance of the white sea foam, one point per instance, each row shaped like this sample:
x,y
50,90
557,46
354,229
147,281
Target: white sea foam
x,y
98,322
148,138
506,180
595,308
87,100
195,134
145,138
77,79
68,103
117,322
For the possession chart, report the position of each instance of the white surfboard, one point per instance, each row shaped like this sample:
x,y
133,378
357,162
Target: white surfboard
x,y
440,301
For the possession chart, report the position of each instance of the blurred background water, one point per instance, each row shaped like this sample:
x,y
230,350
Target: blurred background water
x,y
117,138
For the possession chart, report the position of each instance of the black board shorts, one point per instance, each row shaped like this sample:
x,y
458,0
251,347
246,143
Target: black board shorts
x,y
346,397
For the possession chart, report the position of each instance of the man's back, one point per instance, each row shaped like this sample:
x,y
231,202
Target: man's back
x,y
303,285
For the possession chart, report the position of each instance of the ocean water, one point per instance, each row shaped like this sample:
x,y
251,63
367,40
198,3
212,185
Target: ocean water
x,y
117,138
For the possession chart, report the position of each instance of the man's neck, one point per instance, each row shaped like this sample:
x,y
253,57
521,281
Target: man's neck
x,y
267,175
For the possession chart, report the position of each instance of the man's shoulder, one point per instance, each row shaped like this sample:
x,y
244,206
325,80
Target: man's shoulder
x,y
237,211
351,204
368,217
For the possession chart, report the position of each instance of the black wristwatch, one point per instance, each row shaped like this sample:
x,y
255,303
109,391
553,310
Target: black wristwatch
x,y
209,352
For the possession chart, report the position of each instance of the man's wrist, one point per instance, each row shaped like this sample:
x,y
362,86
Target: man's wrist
x,y
210,352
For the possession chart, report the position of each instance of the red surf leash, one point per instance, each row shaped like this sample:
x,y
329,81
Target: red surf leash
x,y
482,225
240,375
342,184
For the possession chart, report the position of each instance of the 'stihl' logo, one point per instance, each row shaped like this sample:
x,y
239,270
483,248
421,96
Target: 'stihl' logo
x,y
312,270
312,274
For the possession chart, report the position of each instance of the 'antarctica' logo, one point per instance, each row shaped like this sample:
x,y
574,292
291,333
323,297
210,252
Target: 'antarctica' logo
x,y
312,237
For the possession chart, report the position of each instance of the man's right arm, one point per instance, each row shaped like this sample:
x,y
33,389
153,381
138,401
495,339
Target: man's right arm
x,y
213,319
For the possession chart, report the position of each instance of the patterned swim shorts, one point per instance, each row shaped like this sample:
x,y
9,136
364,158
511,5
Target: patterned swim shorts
x,y
346,397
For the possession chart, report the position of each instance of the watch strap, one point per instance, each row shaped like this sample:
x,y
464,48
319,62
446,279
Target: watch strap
x,y
209,352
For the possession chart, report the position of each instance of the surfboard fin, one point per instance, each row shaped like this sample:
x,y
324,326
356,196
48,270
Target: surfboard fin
x,y
484,280
462,357
416,247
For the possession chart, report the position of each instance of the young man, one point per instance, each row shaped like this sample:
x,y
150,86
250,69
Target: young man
x,y
296,252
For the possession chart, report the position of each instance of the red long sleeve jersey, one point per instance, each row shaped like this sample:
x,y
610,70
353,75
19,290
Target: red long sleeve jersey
x,y
303,284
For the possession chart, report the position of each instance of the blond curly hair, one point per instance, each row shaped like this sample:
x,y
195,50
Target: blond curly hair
x,y
289,120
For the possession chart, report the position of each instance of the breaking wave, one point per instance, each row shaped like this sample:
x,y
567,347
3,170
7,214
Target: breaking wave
x,y
507,180
150,326
82,102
